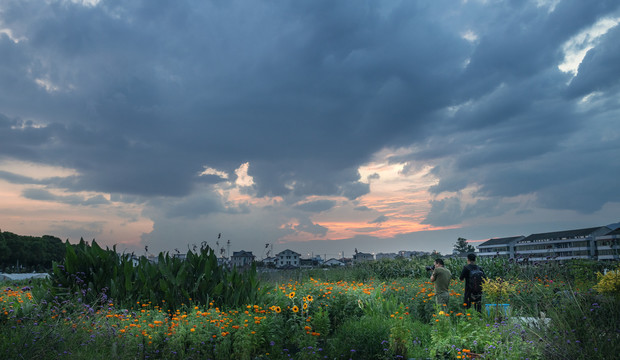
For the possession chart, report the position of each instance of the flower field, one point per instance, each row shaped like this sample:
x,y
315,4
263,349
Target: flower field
x,y
555,318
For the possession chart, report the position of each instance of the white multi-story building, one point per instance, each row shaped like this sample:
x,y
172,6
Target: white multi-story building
x,y
560,245
608,245
287,258
503,247
242,258
597,243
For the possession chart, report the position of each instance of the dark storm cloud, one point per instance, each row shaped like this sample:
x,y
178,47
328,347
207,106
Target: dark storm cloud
x,y
451,211
305,225
193,207
164,90
44,195
600,69
139,96
316,206
17,179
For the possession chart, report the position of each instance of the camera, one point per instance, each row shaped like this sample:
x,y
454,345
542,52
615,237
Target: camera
x,y
430,268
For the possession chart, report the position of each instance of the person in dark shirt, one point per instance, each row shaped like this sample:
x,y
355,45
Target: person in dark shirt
x,y
473,276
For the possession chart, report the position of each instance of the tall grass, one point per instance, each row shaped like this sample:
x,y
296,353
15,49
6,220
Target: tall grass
x,y
360,312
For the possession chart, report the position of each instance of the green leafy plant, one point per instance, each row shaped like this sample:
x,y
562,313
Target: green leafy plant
x,y
105,275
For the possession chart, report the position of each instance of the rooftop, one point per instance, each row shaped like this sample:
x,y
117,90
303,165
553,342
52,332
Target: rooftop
x,y
567,234
501,241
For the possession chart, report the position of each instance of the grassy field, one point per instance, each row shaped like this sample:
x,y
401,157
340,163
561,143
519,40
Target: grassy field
x,y
311,317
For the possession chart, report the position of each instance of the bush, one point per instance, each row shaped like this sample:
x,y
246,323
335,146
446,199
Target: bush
x,y
364,338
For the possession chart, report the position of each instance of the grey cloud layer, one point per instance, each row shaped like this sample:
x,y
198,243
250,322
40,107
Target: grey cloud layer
x,y
142,94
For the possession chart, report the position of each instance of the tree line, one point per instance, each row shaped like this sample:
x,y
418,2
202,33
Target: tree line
x,y
20,253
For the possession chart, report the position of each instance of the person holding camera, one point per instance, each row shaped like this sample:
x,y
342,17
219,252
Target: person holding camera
x,y
474,277
441,277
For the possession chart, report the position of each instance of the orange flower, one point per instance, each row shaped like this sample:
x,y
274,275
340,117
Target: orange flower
x,y
295,309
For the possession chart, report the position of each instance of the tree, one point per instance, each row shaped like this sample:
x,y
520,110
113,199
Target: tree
x,y
462,247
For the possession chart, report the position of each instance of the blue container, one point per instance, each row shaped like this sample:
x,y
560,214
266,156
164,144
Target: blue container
x,y
503,309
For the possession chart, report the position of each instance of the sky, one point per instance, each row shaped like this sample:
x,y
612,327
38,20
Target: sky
x,y
319,126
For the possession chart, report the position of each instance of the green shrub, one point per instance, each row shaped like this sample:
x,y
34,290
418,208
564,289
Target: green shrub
x,y
363,338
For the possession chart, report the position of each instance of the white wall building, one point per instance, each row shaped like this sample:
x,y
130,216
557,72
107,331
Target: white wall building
x,y
288,258
242,258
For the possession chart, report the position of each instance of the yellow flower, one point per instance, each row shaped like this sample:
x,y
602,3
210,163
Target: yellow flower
x,y
291,295
295,309
305,306
310,298
278,310
609,283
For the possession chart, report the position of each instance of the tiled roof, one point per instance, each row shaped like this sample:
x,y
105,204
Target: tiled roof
x,y
563,234
614,232
501,241
242,253
291,251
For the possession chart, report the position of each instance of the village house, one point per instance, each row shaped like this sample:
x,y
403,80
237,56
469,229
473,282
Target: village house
x,y
270,261
360,256
333,262
242,258
387,256
288,258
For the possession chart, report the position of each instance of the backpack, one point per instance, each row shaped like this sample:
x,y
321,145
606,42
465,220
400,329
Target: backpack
x,y
476,276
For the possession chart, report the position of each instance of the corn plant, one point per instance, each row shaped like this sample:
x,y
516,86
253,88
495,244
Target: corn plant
x,y
104,275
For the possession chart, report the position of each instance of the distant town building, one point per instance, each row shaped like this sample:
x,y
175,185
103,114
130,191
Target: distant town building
x,y
360,256
387,256
242,258
288,258
270,261
410,254
221,261
180,256
314,261
333,262
346,261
